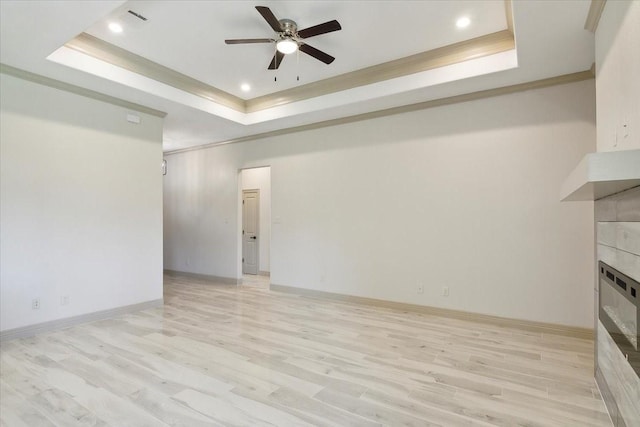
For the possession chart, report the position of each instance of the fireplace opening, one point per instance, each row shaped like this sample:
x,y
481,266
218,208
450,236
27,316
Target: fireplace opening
x,y
619,312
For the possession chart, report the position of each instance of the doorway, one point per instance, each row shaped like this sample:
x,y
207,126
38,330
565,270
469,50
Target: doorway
x,y
250,231
255,224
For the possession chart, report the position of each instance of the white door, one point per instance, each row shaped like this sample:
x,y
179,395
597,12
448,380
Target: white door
x,y
250,221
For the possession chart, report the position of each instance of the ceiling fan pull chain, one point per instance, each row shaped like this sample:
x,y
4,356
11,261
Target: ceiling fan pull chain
x,y
298,64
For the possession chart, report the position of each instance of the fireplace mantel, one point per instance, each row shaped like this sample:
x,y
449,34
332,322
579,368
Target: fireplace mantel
x,y
602,174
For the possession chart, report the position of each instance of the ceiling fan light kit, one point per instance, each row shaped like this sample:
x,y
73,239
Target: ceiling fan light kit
x,y
288,39
287,46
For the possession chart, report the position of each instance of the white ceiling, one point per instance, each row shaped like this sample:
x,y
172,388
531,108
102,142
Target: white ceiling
x,y
189,37
371,34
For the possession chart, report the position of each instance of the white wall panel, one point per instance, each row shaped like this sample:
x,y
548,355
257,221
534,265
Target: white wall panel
x,y
617,70
81,200
464,196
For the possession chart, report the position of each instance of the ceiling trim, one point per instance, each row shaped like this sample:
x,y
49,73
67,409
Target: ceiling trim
x,y
593,17
478,47
537,84
107,52
508,10
57,84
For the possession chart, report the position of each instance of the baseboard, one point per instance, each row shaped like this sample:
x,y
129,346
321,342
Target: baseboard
x,y
264,273
208,278
38,328
550,328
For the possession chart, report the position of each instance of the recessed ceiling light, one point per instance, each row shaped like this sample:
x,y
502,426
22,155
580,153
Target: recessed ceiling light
x,y
115,27
245,87
463,22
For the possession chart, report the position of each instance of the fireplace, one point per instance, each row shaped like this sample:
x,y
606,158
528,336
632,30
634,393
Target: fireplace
x,y
619,311
617,297
612,180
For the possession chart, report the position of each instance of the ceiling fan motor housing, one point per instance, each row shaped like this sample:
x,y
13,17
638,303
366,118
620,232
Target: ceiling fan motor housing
x,y
289,39
289,28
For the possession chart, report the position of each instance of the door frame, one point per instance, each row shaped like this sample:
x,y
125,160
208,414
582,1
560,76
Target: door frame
x,y
258,239
238,213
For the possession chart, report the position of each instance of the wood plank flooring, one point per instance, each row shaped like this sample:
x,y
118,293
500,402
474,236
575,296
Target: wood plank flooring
x,y
219,355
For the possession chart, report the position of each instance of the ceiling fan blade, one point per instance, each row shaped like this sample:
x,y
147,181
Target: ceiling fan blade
x,y
244,41
318,54
277,59
270,18
316,30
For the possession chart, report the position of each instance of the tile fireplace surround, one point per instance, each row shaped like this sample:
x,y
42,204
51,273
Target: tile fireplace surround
x,y
618,245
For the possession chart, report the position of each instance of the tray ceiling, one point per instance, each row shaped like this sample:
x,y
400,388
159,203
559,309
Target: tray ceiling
x,y
388,54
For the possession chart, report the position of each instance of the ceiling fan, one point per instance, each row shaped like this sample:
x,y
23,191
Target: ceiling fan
x,y
289,38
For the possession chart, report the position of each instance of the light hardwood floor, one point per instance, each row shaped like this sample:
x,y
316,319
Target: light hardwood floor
x,y
218,355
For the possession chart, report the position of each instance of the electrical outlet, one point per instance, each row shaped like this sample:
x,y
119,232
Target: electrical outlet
x,y
445,291
625,130
64,300
420,289
35,304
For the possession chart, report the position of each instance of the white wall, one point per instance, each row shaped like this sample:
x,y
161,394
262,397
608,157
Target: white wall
x,y
81,198
260,179
465,195
617,71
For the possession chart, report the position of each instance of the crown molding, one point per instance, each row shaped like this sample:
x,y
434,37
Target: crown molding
x,y
593,17
505,90
508,10
478,47
57,84
112,54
